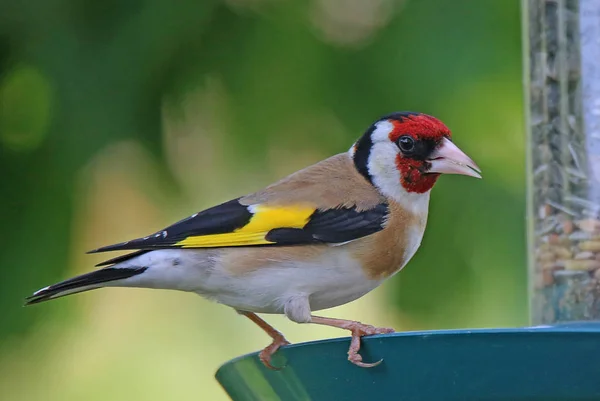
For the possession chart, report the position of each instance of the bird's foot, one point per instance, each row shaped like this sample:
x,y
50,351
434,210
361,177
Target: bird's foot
x,y
265,355
278,339
360,330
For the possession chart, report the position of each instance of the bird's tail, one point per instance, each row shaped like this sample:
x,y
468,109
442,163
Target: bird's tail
x,y
85,282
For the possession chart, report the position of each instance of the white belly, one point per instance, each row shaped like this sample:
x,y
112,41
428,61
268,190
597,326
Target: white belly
x,y
328,282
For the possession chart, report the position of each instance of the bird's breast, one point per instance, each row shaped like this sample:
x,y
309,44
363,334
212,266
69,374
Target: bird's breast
x,y
388,251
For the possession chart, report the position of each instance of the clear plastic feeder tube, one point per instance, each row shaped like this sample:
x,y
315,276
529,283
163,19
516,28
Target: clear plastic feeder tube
x,y
562,85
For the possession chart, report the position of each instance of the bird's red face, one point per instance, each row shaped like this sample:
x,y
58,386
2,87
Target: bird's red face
x,y
410,149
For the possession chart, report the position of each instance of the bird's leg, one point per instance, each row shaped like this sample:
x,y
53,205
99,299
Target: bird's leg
x,y
358,330
278,339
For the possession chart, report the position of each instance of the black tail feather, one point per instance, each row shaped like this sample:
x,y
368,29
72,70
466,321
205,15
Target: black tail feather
x,y
122,258
82,282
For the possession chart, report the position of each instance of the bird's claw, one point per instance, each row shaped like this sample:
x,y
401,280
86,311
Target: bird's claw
x,y
357,360
360,330
266,354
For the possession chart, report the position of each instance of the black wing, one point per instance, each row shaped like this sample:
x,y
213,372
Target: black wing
x,y
235,224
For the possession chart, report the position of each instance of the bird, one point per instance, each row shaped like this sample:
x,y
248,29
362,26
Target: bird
x,y
321,237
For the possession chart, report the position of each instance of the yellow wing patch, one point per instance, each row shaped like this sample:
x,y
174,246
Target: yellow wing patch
x,y
264,219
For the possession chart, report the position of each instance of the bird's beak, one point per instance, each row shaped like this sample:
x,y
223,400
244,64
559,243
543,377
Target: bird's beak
x,y
449,159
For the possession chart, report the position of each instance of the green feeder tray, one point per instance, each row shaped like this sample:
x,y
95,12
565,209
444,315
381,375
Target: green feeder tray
x,y
544,363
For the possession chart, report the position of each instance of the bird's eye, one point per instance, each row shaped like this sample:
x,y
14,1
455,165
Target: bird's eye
x,y
406,144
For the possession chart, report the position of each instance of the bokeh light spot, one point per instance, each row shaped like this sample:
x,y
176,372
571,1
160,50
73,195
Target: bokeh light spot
x,y
25,108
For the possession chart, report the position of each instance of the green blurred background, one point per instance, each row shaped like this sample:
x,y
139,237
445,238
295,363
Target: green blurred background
x,y
118,117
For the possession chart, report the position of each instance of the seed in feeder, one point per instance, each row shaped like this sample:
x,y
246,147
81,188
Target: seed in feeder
x,y
544,247
570,276
554,239
560,263
546,256
567,226
545,211
552,265
562,252
584,255
589,225
547,278
580,236
582,264
593,246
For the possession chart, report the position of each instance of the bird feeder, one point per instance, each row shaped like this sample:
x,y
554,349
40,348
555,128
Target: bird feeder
x,y
557,358
563,106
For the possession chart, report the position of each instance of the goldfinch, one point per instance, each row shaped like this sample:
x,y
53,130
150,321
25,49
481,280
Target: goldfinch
x,y
321,237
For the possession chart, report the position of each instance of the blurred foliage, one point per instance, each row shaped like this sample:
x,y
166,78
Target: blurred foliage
x,y
283,83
